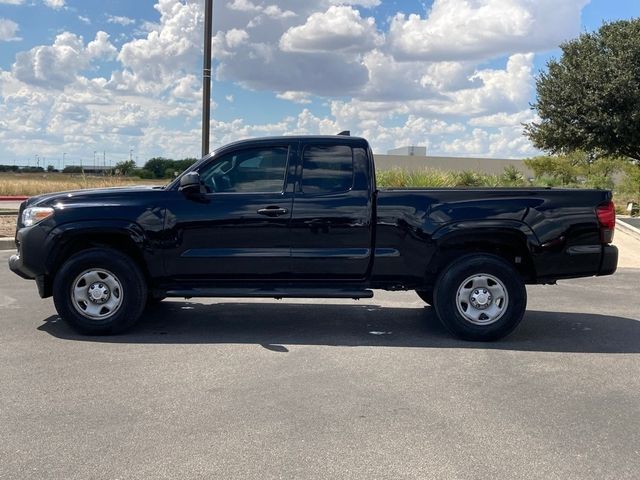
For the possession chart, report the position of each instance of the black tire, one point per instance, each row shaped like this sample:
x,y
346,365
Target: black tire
x,y
457,286
128,291
426,295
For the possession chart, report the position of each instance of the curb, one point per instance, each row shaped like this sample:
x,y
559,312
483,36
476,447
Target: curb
x,y
630,229
12,199
7,243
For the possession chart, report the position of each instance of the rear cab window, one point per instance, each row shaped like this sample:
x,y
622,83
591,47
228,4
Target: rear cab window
x,y
326,169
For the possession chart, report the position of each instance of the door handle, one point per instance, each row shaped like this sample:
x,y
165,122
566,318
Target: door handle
x,y
273,211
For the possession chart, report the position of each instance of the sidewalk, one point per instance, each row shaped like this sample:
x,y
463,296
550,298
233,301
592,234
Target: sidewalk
x,y
629,247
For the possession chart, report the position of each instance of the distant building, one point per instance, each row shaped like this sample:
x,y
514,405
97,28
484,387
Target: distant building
x,y
410,151
491,166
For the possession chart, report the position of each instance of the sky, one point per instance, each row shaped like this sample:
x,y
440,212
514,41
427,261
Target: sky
x,y
81,79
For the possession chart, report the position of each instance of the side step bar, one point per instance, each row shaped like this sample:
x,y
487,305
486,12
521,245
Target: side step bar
x,y
277,293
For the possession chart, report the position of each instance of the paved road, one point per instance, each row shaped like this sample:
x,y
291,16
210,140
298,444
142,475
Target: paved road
x,y
373,389
635,221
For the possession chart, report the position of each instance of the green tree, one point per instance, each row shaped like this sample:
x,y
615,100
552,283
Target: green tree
x,y
166,168
576,167
590,99
157,166
631,182
564,169
126,167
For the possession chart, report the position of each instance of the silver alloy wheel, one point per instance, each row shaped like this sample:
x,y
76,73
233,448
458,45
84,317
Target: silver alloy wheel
x,y
482,299
96,294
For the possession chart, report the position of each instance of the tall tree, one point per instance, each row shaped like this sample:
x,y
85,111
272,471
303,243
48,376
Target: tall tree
x,y
590,99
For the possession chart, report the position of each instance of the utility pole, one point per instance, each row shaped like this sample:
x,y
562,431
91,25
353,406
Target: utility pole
x,y
63,155
206,77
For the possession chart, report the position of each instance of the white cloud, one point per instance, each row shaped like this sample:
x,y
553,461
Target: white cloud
x,y
288,49
57,65
503,119
236,37
188,87
296,97
12,2
55,4
8,30
274,11
244,6
506,142
84,19
477,29
151,64
101,47
362,3
340,28
120,20
500,90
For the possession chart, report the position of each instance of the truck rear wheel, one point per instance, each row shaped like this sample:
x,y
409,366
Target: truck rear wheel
x,y
480,297
100,292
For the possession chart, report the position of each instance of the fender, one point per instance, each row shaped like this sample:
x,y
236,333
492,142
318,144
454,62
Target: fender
x,y
461,234
61,236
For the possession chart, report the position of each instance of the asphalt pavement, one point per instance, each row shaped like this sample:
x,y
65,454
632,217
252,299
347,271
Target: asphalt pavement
x,y
375,389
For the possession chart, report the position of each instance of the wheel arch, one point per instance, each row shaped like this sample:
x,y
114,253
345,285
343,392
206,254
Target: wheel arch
x,y
512,242
69,239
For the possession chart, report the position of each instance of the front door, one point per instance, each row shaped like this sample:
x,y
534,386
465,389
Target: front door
x,y
239,228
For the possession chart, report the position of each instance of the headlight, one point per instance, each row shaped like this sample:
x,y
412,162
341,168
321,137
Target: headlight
x,y
33,215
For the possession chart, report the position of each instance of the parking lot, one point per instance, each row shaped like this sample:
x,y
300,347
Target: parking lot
x,y
324,389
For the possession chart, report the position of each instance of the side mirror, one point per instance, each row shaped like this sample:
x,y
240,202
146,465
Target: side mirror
x,y
190,183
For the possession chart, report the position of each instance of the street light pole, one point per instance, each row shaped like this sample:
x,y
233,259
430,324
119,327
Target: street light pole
x,y
206,77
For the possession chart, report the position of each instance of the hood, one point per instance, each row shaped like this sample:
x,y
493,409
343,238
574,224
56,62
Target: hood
x,y
96,195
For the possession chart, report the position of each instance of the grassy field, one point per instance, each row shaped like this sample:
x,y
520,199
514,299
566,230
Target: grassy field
x,y
28,184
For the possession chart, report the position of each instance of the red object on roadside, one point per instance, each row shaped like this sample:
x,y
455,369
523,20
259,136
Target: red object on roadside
x,y
13,199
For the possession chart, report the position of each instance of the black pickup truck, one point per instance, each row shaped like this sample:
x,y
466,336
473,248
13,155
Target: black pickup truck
x,y
292,217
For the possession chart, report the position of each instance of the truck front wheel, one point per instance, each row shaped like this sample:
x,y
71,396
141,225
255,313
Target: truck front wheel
x,y
100,292
480,297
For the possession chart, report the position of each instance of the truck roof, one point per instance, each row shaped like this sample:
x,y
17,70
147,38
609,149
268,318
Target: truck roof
x,y
344,139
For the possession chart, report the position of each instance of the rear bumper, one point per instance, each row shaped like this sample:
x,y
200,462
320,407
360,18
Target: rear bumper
x,y
609,260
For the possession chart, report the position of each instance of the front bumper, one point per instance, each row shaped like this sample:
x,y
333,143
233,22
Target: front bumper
x,y
609,260
30,261
17,266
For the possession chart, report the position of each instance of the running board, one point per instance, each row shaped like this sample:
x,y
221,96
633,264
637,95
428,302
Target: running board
x,y
271,293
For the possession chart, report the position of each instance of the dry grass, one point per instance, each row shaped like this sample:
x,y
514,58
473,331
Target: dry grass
x,y
7,225
28,184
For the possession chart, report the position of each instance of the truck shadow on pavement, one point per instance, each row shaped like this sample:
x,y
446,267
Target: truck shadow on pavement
x,y
274,326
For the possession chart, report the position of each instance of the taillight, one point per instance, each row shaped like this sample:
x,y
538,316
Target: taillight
x,y
607,219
